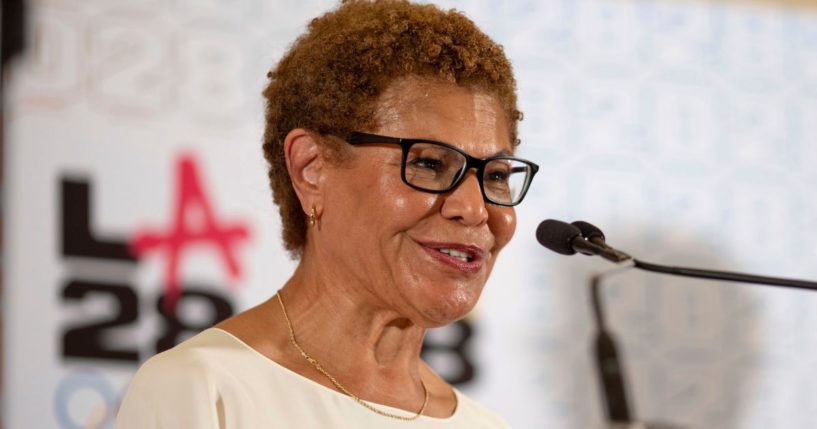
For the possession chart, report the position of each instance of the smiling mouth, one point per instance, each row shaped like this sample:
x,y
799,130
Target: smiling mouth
x,y
454,253
463,258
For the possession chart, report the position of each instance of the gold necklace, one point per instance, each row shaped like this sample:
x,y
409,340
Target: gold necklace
x,y
340,387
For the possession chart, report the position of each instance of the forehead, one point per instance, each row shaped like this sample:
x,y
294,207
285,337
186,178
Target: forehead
x,y
472,120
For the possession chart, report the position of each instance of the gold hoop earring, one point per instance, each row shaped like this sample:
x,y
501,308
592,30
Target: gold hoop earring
x,y
312,217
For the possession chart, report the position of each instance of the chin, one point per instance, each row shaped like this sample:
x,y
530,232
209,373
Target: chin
x,y
444,310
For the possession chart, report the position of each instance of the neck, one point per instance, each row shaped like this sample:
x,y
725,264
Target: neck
x,y
348,331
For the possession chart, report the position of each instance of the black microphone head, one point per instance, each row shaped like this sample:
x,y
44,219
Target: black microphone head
x,y
557,236
588,230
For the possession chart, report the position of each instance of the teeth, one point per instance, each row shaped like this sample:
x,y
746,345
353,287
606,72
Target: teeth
x,y
462,256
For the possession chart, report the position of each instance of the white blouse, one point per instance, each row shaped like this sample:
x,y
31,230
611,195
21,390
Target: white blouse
x,y
214,380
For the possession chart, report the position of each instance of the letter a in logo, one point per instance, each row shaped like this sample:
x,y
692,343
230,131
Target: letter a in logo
x,y
193,224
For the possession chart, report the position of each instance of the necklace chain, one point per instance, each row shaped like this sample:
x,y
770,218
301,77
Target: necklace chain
x,y
335,382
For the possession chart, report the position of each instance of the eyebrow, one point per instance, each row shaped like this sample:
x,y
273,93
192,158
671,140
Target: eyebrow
x,y
502,152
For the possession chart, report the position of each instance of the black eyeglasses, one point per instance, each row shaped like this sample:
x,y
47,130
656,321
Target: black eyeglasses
x,y
437,167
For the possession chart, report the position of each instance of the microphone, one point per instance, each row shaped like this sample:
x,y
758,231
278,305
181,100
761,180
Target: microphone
x,y
563,238
567,239
594,235
590,232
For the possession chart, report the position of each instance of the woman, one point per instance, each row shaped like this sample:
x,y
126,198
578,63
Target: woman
x,y
390,129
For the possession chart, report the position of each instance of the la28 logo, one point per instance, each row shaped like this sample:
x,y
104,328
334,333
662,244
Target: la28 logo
x,y
92,338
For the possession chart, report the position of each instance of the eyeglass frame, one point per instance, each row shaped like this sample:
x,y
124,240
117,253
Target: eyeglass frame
x,y
360,138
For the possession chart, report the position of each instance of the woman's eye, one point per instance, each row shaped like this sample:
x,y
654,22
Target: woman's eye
x,y
427,164
498,176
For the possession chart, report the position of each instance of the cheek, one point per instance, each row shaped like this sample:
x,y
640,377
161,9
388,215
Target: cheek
x,y
502,222
401,202
389,206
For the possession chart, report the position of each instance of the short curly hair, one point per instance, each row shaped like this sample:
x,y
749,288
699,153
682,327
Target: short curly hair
x,y
331,78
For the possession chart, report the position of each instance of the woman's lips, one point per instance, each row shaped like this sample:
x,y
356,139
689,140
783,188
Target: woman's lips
x,y
466,258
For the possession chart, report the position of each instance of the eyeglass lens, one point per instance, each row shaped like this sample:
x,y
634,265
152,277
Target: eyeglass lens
x,y
438,168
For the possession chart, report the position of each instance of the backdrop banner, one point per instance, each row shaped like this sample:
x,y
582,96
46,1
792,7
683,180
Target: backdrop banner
x,y
134,177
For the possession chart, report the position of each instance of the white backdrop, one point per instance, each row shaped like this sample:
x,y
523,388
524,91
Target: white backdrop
x,y
687,130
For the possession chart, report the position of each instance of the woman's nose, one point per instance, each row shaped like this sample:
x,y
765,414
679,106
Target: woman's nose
x,y
466,203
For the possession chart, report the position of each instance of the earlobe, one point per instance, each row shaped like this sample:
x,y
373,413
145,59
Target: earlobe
x,y
305,167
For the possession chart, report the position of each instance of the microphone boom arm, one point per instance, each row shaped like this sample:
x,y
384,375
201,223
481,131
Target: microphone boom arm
x,y
725,275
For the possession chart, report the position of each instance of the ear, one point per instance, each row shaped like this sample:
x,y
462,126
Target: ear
x,y
305,164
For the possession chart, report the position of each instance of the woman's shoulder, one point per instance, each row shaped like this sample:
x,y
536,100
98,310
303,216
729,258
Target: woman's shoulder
x,y
202,382
205,352
185,378
205,344
195,362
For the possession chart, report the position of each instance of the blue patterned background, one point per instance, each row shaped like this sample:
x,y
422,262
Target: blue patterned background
x,y
686,130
